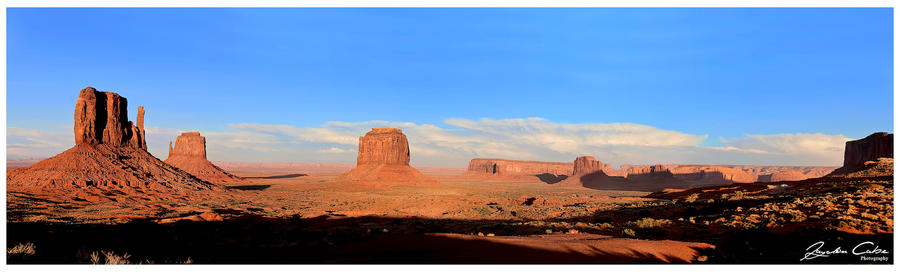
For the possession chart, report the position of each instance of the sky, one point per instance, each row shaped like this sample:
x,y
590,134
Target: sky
x,y
753,86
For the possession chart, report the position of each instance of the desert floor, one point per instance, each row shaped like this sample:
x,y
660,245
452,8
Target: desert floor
x,y
291,216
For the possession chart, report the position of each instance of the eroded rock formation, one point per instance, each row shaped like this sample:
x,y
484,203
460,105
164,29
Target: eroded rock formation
x,y
383,146
638,176
189,154
102,118
511,168
586,165
383,161
108,162
869,149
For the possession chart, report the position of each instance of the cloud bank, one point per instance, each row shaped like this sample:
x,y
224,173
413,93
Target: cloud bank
x,y
457,141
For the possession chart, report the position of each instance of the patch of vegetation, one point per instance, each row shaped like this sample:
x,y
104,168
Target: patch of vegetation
x,y
21,249
109,257
629,232
647,223
691,198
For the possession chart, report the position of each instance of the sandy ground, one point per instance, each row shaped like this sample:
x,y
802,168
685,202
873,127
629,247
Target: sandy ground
x,y
295,216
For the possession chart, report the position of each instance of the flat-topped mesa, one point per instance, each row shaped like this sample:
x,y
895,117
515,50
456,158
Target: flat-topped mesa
x,y
189,144
656,169
383,146
383,161
586,165
189,154
870,148
102,118
502,167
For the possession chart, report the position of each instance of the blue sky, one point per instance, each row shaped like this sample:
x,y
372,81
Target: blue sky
x,y
741,86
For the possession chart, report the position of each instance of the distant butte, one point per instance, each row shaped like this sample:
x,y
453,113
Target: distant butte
x,y
589,172
189,154
383,161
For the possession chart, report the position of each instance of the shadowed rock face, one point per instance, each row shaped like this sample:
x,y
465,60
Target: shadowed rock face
x,y
189,154
877,145
383,160
383,146
586,165
877,148
102,118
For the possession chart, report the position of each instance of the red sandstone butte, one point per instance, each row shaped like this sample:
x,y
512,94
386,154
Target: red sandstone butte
x,y
871,148
189,154
877,145
102,117
109,160
586,165
383,160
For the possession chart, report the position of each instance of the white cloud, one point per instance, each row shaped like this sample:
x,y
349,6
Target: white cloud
x,y
33,143
459,140
335,150
800,143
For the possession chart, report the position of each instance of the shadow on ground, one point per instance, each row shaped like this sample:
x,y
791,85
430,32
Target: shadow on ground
x,y
278,176
251,239
551,178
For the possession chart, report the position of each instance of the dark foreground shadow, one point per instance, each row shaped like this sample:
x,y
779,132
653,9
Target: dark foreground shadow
x,y
257,240
250,239
278,176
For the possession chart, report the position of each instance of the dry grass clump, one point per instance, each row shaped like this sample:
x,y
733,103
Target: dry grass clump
x,y
21,249
691,198
109,257
647,223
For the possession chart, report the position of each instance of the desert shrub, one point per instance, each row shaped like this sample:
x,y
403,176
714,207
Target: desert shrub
x,y
484,210
95,257
691,198
21,249
629,232
109,257
739,194
647,222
